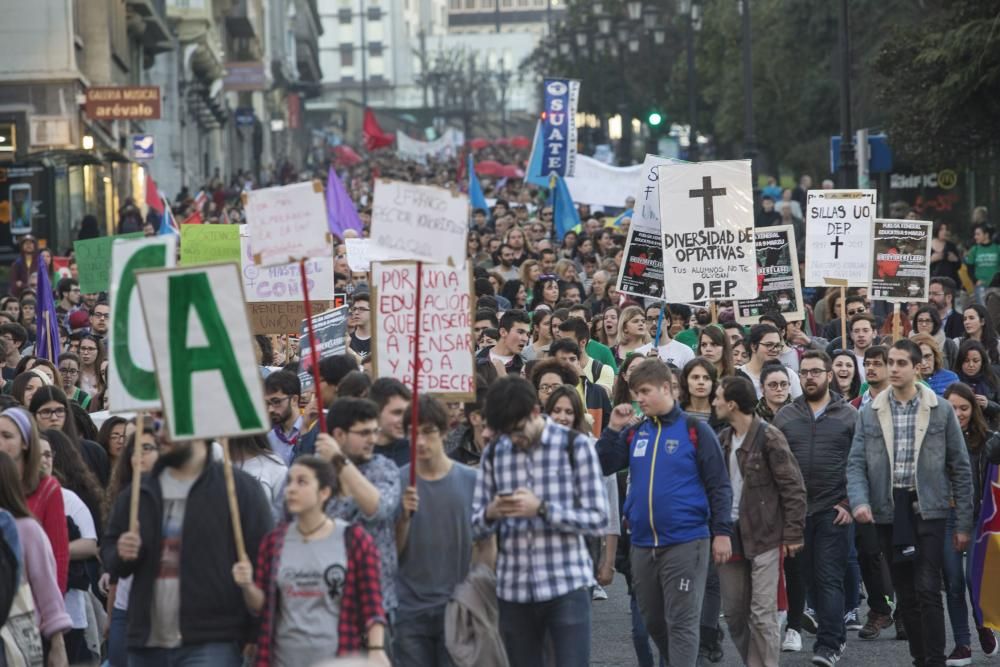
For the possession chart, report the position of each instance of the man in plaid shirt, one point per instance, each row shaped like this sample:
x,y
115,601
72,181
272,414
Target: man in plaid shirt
x,y
540,487
909,473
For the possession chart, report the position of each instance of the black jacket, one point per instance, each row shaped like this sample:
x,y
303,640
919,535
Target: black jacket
x,y
212,607
821,447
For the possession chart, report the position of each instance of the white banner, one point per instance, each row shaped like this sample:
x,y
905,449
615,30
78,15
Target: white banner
x,y
420,222
131,375
443,148
288,223
599,184
839,236
708,245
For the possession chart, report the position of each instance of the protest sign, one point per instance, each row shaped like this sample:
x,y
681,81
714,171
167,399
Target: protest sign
x,y
708,248
209,244
131,377
288,223
282,282
444,147
901,260
778,286
362,252
559,127
206,362
447,362
641,273
330,329
646,213
93,261
279,317
420,222
838,236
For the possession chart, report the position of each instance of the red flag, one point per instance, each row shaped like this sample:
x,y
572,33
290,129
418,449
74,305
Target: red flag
x,y
375,138
153,199
193,219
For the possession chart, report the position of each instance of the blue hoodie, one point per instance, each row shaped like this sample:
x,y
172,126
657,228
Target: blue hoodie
x,y
679,492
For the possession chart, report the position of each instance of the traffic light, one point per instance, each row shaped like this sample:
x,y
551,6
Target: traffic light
x,y
654,118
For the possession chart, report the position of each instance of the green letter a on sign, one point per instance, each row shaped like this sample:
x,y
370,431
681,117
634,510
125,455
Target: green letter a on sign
x,y
187,292
139,382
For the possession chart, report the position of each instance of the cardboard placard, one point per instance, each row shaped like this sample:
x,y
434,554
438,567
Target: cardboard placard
x,y
901,260
708,248
447,347
420,222
838,236
330,329
283,282
288,223
362,252
777,277
209,244
93,260
641,273
279,317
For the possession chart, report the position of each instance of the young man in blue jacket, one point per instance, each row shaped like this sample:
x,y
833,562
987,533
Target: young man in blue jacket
x,y
678,507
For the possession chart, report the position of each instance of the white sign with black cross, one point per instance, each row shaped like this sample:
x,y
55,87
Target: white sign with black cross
x,y
708,238
839,236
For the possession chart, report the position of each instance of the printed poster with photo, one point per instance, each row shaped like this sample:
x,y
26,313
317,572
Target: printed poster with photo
x,y
778,285
901,260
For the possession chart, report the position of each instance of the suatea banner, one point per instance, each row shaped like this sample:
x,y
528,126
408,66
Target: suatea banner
x,y
559,127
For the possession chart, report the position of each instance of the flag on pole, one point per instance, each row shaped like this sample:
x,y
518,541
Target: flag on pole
x,y
46,319
476,197
985,559
200,199
565,216
169,224
340,212
374,137
535,175
153,199
193,219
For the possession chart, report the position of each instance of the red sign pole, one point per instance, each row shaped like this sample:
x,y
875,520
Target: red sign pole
x,y
314,352
414,409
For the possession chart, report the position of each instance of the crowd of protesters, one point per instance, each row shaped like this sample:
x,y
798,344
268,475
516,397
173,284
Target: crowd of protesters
x,y
774,475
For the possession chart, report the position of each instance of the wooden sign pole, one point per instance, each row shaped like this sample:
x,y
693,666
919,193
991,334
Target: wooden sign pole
x,y
234,506
414,408
313,348
843,318
896,323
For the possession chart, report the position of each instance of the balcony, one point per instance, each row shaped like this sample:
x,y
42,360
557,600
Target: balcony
x,y
149,20
244,19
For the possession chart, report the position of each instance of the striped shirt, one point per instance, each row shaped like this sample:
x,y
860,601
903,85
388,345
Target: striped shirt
x,y
542,559
904,431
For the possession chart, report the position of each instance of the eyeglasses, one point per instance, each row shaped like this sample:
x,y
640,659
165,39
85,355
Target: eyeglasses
x,y
88,349
52,413
69,372
368,432
548,388
100,316
278,402
813,372
852,313
149,447
777,385
355,310
116,436
924,320
770,346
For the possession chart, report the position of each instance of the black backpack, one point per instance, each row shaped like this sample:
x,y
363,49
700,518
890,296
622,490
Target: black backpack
x,y
8,580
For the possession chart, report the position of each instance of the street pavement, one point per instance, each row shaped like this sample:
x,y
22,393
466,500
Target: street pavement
x,y
611,641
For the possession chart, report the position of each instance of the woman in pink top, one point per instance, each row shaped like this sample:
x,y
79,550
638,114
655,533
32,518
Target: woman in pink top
x,y
39,564
19,440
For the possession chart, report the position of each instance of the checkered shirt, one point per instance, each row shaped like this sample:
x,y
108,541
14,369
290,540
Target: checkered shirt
x,y
904,432
542,559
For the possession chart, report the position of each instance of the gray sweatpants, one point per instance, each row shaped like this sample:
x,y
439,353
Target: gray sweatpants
x,y
669,585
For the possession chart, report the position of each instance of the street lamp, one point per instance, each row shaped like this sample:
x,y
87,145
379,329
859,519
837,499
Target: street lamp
x,y
650,17
634,9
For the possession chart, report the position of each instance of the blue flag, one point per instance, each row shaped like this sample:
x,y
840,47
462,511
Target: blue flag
x,y
46,320
535,175
565,215
476,197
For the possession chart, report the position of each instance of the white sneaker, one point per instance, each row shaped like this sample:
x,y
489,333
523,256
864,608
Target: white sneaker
x,y
599,593
782,618
793,641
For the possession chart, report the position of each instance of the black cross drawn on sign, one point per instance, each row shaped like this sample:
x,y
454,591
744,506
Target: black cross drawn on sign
x,y
707,192
836,243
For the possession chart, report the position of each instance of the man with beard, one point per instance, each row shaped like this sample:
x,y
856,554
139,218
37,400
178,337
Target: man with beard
x,y
181,610
819,427
281,391
100,318
369,483
505,263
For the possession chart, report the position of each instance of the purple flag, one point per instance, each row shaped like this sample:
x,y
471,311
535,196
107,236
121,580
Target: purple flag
x,y
47,323
340,212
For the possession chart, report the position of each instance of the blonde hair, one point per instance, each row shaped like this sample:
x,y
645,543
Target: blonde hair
x,y
929,341
623,319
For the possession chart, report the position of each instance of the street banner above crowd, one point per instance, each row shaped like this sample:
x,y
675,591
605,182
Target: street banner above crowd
x,y
447,349
209,244
420,222
93,261
708,246
838,236
131,372
646,214
445,147
559,127
288,223
901,260
641,272
778,286
205,355
330,329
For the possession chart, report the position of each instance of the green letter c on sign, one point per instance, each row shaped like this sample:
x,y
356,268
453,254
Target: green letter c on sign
x,y
138,382
184,292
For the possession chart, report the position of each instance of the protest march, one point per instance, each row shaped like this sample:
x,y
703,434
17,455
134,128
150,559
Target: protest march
x,y
400,412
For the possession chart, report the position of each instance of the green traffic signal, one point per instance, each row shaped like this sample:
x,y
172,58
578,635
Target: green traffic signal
x,y
655,118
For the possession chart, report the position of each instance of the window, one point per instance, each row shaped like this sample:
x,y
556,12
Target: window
x,y
8,137
374,13
346,56
344,15
375,49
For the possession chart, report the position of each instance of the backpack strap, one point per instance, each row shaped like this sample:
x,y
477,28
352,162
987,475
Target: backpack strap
x,y
692,426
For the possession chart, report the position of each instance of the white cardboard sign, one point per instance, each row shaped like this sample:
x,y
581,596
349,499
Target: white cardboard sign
x,y
288,223
839,236
420,222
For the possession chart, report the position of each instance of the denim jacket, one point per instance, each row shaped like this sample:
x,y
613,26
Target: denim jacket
x,y
943,469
